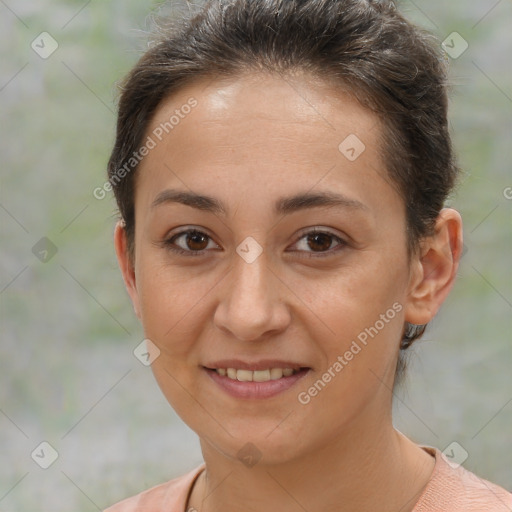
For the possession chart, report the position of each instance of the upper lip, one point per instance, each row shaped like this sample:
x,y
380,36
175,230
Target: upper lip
x,y
262,364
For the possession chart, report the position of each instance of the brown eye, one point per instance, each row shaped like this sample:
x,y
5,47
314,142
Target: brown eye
x,y
196,241
190,242
319,241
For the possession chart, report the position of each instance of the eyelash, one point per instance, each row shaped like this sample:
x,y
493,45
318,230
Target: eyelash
x,y
169,243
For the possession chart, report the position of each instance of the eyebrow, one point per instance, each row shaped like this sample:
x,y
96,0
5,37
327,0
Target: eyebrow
x,y
283,206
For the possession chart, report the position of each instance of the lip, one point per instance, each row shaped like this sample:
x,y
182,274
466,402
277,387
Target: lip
x,y
256,390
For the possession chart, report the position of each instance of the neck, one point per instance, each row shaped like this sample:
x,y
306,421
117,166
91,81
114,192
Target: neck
x,y
386,472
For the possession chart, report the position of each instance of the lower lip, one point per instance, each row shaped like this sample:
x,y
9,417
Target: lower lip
x,y
255,390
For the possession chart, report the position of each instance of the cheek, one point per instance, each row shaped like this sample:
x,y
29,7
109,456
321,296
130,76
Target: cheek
x,y
173,315
361,312
172,305
353,296
359,363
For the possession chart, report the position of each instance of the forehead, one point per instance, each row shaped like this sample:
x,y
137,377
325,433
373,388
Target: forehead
x,y
283,100
261,133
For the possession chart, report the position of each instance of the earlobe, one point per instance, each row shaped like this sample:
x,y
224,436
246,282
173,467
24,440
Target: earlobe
x,y
126,265
435,268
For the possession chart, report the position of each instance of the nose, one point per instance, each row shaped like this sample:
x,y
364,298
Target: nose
x,y
252,305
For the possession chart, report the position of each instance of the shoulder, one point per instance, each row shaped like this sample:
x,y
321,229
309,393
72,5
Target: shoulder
x,y
456,489
171,495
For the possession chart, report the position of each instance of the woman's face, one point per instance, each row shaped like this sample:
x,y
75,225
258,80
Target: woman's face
x,y
255,288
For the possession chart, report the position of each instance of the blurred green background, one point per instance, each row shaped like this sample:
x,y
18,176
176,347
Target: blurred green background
x,y
67,369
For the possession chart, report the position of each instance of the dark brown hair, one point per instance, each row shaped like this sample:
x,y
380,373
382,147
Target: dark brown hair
x,y
365,47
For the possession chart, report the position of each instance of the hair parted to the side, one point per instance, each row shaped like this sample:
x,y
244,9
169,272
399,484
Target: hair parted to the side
x,y
365,47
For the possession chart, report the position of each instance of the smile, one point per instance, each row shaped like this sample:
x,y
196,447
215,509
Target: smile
x,y
255,383
257,375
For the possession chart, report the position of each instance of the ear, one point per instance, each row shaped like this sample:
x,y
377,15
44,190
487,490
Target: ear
x,y
434,269
126,265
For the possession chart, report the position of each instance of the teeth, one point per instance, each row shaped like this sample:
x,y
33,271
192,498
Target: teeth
x,y
276,373
244,375
261,375
256,376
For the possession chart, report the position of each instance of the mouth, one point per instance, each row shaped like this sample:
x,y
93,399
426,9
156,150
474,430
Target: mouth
x,y
261,380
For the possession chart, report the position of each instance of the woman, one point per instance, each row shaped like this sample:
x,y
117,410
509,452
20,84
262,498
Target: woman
x,y
281,168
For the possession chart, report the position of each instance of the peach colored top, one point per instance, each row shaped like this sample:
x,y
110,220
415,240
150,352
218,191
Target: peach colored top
x,y
448,490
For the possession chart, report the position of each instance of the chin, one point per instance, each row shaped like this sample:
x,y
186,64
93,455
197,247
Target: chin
x,y
253,443
260,451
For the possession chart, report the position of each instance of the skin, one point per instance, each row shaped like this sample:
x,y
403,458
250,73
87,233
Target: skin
x,y
249,142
